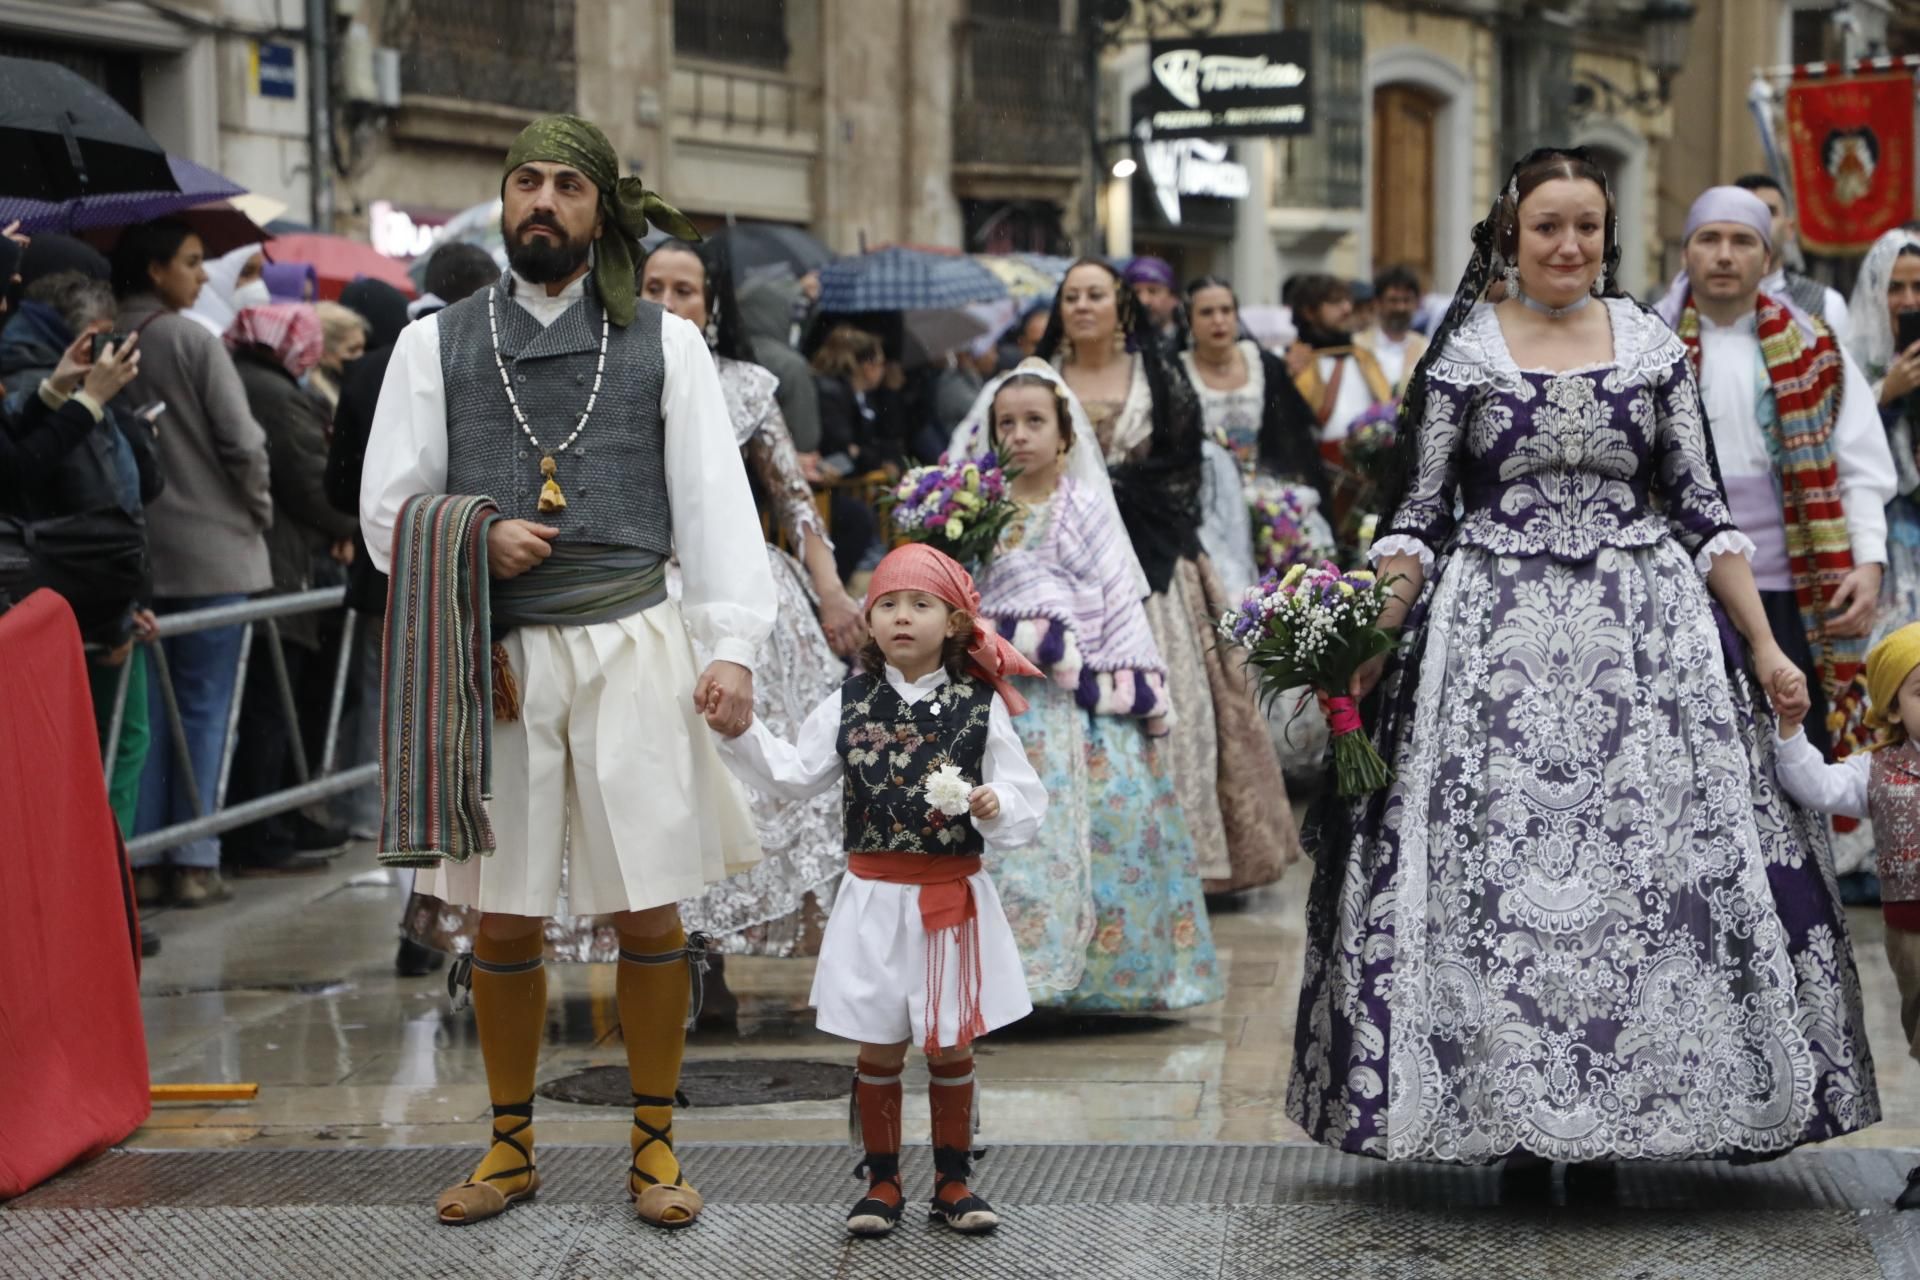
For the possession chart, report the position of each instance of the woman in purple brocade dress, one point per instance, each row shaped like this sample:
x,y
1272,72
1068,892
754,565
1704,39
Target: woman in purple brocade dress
x,y
1582,924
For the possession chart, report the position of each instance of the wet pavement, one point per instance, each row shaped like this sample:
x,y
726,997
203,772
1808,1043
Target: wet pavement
x,y
372,1097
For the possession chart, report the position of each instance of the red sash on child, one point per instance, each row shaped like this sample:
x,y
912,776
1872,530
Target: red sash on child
x,y
946,905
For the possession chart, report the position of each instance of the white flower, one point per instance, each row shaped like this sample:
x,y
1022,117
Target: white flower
x,y
949,791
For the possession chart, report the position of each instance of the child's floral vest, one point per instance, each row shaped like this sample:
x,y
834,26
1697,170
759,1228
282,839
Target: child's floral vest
x,y
1893,804
890,748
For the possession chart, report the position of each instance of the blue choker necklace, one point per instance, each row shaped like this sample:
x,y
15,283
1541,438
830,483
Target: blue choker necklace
x,y
1552,313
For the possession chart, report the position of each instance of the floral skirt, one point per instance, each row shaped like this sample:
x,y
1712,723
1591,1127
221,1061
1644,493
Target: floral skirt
x,y
779,907
1582,922
1105,903
1224,765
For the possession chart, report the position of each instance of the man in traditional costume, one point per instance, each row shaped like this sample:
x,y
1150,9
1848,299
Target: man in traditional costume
x,y
1782,281
539,450
1801,451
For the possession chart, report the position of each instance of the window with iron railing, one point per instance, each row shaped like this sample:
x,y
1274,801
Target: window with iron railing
x,y
1327,169
1021,96
515,53
751,32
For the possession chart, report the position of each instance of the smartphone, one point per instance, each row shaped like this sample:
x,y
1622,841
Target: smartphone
x,y
1909,332
150,414
101,341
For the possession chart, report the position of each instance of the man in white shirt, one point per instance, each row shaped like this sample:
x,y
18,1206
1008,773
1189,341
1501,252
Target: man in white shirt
x,y
1800,447
595,423
1391,337
1802,290
1341,380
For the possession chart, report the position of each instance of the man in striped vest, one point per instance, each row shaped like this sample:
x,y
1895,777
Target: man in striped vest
x,y
1800,447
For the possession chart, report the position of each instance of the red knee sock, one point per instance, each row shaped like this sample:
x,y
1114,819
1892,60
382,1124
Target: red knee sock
x,y
876,1092
950,1093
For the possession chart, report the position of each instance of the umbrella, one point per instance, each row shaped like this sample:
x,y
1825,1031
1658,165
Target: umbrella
x,y
905,280
62,136
1027,283
764,248
224,215
339,261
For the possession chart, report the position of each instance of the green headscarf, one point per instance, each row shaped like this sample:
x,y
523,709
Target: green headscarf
x,y
625,203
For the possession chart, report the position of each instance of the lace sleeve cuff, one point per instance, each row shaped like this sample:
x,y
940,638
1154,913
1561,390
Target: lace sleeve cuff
x,y
1401,544
1729,542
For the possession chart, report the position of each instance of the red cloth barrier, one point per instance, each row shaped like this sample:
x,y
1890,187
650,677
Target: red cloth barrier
x,y
73,1051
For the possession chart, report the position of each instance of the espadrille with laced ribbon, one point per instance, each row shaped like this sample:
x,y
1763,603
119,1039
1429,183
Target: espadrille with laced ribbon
x,y
476,1200
667,1205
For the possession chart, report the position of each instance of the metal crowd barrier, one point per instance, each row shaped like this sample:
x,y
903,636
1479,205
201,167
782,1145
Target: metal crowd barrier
x,y
310,786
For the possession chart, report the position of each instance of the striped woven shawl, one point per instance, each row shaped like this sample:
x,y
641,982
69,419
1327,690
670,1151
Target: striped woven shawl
x,y
436,722
1807,378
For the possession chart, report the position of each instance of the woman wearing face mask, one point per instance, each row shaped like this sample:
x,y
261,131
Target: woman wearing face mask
x,y
346,334
1147,423
1581,924
234,283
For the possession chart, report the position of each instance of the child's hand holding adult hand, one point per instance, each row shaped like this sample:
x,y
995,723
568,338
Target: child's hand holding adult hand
x,y
1791,701
983,804
725,723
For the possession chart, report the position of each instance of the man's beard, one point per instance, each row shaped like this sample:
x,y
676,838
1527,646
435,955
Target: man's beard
x,y
541,261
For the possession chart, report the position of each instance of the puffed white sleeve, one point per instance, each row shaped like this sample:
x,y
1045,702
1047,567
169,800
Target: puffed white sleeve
x,y
789,770
407,444
727,598
1868,480
1023,800
1814,784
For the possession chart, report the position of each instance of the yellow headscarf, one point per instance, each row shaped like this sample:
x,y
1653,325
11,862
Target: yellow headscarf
x,y
1889,663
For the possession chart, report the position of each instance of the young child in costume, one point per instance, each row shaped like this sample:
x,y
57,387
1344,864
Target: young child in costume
x,y
1882,784
918,947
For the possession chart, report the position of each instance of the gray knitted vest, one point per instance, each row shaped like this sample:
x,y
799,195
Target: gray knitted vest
x,y
615,475
1809,293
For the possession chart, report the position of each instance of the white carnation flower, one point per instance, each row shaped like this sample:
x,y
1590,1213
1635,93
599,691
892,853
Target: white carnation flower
x,y
949,791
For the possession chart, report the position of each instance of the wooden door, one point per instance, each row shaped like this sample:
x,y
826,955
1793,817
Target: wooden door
x,y
1403,163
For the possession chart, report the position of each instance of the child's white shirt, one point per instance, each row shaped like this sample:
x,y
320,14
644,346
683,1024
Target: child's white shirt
x,y
798,771
1814,784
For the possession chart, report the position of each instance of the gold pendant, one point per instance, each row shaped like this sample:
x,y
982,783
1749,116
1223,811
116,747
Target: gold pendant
x,y
551,499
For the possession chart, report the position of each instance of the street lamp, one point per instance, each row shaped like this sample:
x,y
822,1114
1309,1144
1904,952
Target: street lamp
x,y
1125,167
1666,27
1669,28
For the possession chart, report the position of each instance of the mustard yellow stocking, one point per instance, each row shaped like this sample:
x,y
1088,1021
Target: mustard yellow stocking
x,y
653,995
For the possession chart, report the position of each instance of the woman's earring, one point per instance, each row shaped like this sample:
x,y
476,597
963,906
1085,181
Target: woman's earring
x,y
1510,276
1119,342
1065,349
713,331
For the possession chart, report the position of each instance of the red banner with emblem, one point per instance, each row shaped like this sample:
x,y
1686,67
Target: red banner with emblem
x,y
1851,144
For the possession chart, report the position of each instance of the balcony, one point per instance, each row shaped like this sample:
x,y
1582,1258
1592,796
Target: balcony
x,y
504,53
1020,99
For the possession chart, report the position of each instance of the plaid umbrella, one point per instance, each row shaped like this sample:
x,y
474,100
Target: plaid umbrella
x,y
905,280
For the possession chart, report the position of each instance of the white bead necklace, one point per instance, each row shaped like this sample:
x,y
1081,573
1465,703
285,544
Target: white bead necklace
x,y
551,499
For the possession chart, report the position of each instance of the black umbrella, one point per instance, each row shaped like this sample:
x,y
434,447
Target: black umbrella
x,y
761,247
61,137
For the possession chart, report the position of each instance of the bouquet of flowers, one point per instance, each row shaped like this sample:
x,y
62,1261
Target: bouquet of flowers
x,y
1286,530
1371,438
1316,627
957,507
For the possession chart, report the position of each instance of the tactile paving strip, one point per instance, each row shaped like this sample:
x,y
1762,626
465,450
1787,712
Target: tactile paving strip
x,y
1163,1212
